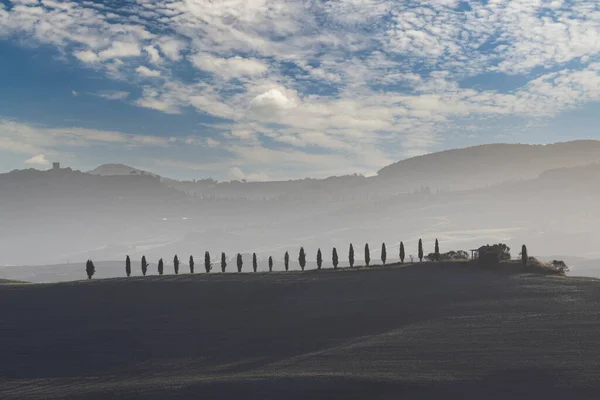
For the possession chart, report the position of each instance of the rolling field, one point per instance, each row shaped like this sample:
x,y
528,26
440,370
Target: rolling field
x,y
415,332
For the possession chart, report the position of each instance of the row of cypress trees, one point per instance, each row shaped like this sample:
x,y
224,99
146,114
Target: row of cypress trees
x,y
301,260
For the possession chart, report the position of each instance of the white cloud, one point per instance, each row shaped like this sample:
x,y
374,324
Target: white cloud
x,y
275,99
23,138
120,50
86,56
39,159
147,72
113,94
229,67
235,173
153,54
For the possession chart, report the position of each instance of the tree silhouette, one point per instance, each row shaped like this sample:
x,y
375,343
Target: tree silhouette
x,y
176,264
367,255
351,256
319,259
144,266
207,263
383,253
191,263
420,250
524,258
436,252
239,262
223,261
286,260
402,253
270,263
334,258
160,266
302,258
254,262
128,266
90,269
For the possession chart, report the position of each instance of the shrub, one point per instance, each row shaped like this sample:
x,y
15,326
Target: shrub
x,y
490,255
286,260
176,264
319,259
402,253
302,258
144,266
239,262
524,257
207,263
90,269
449,256
128,266
223,262
191,263
560,266
334,258
160,266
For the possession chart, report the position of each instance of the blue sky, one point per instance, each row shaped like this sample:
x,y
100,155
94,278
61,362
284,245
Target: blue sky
x,y
279,89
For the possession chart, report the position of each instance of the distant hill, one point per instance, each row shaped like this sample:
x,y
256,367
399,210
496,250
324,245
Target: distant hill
x,y
490,164
117,170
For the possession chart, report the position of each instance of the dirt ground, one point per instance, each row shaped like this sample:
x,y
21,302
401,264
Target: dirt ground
x,y
414,332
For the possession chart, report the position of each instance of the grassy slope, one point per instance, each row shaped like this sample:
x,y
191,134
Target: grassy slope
x,y
422,331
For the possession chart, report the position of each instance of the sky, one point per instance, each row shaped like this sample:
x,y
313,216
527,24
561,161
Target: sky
x,y
286,89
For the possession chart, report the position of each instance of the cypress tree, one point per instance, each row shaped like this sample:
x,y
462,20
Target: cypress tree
x,y
160,266
176,264
270,264
207,263
302,258
240,262
437,251
254,262
367,255
383,253
420,250
524,257
90,269
286,260
351,256
223,262
128,266
319,259
144,266
191,264
402,253
334,258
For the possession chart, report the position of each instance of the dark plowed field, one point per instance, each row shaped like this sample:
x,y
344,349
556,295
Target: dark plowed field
x,y
426,331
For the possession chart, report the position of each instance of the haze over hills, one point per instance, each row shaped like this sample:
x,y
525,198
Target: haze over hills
x,y
458,196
